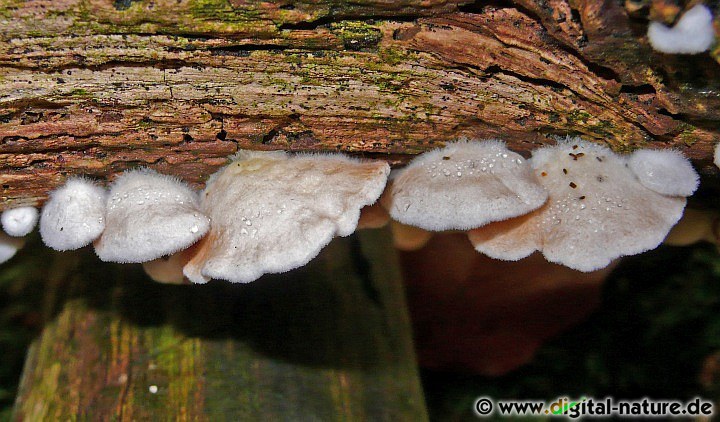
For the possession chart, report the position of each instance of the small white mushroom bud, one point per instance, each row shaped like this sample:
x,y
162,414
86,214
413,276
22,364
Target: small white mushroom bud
x,y
272,212
74,216
20,221
465,185
149,215
665,171
692,34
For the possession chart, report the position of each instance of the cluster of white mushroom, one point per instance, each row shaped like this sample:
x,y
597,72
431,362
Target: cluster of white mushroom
x,y
266,212
577,202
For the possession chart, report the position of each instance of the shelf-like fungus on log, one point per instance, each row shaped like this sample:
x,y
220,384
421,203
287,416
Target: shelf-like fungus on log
x,y
149,215
597,211
18,222
272,212
465,185
74,216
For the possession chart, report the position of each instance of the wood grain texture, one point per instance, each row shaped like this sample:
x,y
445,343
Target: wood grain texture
x,y
98,86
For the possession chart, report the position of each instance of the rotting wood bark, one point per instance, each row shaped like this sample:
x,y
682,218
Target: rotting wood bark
x,y
97,86
330,341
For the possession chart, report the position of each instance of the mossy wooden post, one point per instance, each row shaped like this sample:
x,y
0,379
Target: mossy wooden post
x,y
327,342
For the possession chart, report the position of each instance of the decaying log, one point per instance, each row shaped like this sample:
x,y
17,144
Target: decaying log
x,y
97,86
328,342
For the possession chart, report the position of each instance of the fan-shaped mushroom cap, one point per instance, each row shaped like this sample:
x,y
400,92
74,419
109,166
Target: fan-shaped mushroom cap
x,y
9,246
149,215
597,211
74,216
18,222
692,34
716,155
665,171
509,240
272,212
467,184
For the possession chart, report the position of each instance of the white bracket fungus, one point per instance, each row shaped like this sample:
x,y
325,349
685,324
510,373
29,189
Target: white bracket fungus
x,y
692,34
74,216
716,155
272,212
149,215
597,211
9,246
665,171
465,185
20,221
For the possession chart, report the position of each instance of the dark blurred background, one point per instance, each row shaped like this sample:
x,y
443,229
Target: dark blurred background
x,y
530,330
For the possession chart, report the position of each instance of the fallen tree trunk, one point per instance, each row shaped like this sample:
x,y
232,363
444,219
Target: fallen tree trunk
x,y
97,86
